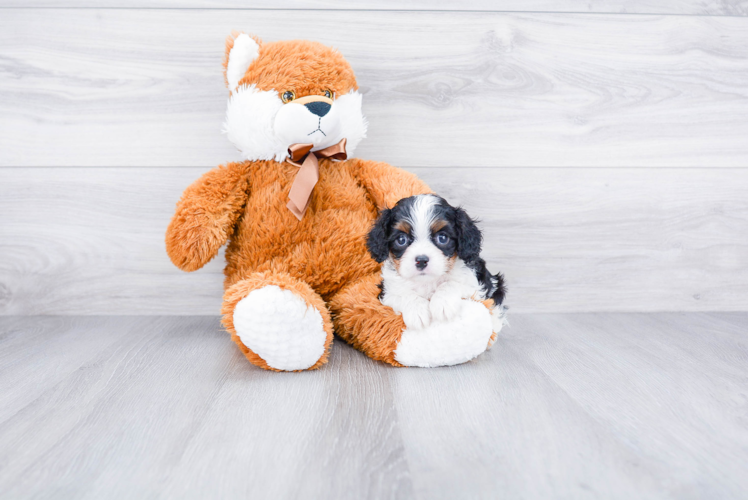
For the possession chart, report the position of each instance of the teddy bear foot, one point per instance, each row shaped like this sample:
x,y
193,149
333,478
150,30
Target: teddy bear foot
x,y
449,342
278,322
281,328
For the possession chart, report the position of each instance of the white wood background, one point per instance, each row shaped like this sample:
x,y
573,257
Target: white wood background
x,y
605,148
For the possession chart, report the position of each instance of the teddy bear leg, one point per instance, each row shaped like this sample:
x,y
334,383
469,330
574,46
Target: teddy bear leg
x,y
278,322
376,330
364,322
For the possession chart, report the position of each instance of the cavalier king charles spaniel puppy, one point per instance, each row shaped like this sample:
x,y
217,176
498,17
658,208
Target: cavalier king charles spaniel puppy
x,y
431,255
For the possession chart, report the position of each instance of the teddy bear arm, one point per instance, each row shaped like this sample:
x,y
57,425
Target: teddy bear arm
x,y
206,215
387,184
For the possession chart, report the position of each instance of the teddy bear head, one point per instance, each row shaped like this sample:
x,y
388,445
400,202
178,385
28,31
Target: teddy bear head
x,y
289,92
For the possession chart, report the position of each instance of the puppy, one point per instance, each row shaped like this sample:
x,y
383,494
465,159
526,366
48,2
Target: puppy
x,y
431,255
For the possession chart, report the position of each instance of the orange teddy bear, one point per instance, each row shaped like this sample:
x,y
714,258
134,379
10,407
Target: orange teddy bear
x,y
296,220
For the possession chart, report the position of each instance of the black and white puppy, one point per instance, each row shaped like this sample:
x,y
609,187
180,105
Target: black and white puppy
x,y
431,255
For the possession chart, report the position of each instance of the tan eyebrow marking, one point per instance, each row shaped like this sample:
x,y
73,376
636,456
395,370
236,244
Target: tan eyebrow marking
x,y
403,226
438,225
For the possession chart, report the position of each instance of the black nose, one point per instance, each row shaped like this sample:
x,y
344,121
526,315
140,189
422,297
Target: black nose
x,y
319,108
421,262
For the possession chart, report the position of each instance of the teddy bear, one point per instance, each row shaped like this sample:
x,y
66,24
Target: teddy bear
x,y
295,215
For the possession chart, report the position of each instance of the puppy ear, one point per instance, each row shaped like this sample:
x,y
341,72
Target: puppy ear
x,y
379,247
469,237
241,51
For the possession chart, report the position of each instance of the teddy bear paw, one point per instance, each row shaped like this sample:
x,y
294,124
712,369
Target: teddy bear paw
x,y
450,342
281,328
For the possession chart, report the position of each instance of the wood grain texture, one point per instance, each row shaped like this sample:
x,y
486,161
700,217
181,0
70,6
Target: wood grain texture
x,y
126,87
689,7
563,406
585,406
171,408
91,241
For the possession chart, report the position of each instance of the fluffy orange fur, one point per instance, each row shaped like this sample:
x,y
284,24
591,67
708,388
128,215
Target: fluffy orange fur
x,y
245,204
365,323
313,68
323,258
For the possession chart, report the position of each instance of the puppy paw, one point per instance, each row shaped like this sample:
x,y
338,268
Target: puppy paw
x,y
445,307
417,315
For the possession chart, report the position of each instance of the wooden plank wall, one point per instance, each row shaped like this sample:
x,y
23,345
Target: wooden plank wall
x,y
603,144
684,7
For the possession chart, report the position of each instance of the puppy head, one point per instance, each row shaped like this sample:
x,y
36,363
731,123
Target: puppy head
x,y
289,92
423,235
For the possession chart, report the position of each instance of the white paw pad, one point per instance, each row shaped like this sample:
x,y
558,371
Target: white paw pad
x,y
281,328
448,342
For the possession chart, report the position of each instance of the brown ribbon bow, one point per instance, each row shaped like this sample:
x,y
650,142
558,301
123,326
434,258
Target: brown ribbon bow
x,y
308,174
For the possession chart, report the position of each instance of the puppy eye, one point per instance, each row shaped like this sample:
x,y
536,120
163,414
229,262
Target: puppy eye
x,y
401,240
288,95
442,239
328,94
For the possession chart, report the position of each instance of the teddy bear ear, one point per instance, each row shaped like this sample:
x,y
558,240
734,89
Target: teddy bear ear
x,y
241,50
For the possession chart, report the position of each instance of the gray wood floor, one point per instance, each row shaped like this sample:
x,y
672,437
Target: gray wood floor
x,y
564,406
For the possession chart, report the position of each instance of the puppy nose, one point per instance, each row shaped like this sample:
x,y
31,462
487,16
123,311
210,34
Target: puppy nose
x,y
421,262
319,108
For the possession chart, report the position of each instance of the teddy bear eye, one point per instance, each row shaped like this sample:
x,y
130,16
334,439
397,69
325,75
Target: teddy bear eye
x,y
328,94
288,95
